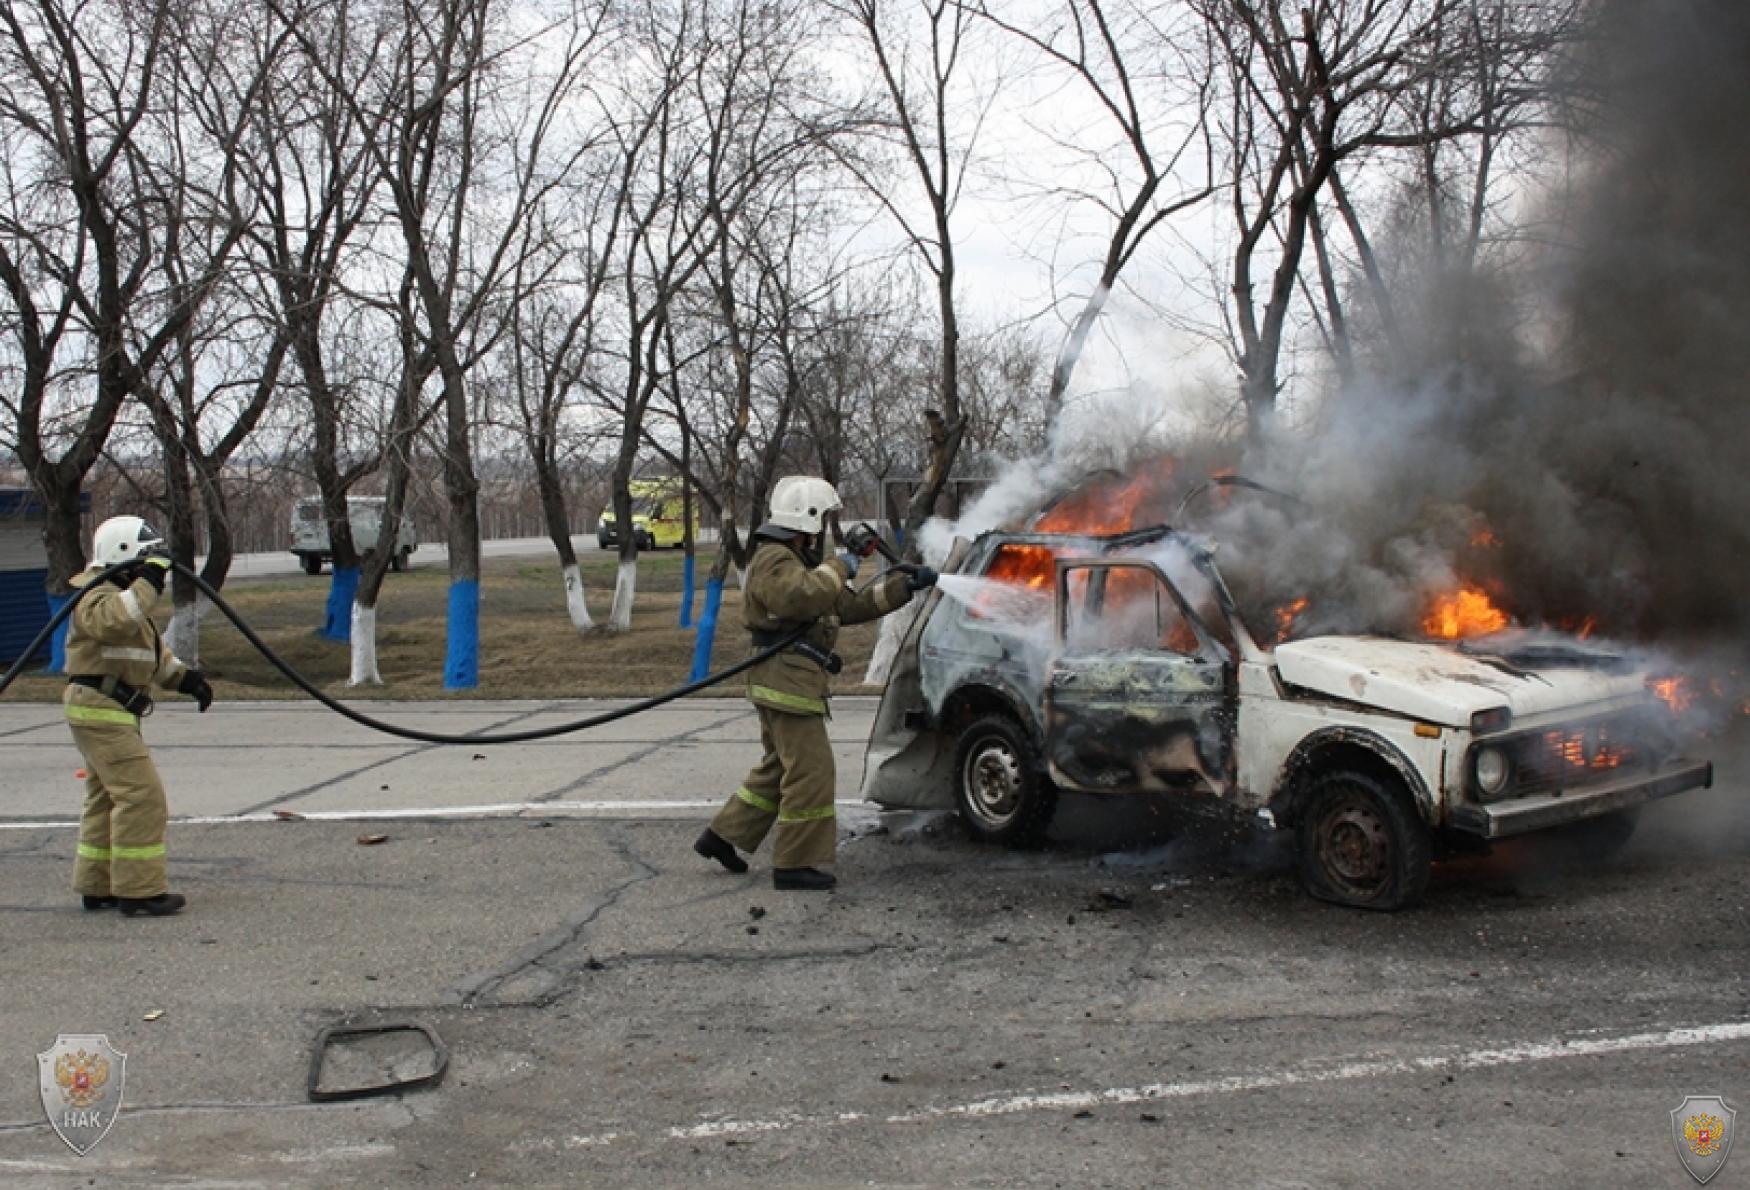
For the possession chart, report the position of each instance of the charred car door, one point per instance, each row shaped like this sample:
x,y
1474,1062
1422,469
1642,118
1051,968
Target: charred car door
x,y
1138,693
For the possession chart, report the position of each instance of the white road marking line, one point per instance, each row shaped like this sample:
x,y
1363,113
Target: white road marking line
x,y
1306,1075
499,810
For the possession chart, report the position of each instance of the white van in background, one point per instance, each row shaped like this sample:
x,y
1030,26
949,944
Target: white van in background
x,y
310,532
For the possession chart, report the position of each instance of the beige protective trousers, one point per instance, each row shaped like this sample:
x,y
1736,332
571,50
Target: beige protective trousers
x,y
793,786
121,832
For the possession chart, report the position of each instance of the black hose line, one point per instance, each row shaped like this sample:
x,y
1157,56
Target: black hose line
x,y
407,733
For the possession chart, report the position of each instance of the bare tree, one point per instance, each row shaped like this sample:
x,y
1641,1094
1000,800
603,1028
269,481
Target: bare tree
x,y
81,224
1108,46
1303,90
312,177
921,116
1444,210
473,109
557,299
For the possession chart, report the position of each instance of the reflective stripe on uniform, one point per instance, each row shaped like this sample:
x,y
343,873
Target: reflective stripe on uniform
x,y
150,851
121,654
87,851
779,700
814,815
99,715
134,609
756,801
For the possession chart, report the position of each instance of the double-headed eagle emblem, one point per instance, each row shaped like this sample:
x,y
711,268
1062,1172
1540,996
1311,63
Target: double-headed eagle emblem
x,y
1701,1128
81,1077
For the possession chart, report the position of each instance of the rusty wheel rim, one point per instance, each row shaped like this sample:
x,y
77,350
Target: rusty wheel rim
x,y
1355,846
993,782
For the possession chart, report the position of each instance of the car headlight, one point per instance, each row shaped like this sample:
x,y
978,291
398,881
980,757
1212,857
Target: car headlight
x,y
1493,770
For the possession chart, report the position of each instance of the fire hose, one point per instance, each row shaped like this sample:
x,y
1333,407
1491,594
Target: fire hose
x,y
407,733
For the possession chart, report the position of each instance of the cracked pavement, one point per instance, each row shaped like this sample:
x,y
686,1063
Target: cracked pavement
x,y
1145,1002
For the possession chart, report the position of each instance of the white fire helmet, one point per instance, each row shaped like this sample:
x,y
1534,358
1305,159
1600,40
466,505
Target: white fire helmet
x,y
122,539
801,502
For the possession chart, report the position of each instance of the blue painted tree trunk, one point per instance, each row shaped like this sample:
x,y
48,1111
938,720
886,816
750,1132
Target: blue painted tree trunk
x,y
462,663
341,589
687,592
707,629
58,642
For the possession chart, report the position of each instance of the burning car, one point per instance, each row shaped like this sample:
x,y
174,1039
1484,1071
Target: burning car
x,y
1121,665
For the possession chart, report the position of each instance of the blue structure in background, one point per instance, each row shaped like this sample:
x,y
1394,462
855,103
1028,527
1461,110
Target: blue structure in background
x,y
462,662
707,629
342,589
24,570
687,592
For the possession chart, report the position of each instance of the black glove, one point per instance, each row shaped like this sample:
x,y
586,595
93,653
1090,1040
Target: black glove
x,y
154,567
920,577
861,540
195,682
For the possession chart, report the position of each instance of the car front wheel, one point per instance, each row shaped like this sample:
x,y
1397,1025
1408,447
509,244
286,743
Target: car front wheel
x,y
1000,783
1362,843
312,564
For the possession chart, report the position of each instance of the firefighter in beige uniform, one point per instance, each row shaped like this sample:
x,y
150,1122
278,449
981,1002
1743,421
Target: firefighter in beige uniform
x,y
114,654
793,785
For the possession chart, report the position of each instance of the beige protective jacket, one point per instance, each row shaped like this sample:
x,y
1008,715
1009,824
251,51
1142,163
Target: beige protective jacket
x,y
782,594
112,635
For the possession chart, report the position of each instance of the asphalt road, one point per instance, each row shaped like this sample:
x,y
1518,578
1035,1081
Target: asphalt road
x,y
1144,1002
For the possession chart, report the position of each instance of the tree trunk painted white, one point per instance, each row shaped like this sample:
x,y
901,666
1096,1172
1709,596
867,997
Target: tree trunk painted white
x,y
574,600
364,647
620,619
184,634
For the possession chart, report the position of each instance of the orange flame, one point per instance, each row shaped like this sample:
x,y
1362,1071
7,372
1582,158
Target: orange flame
x,y
1032,566
1483,537
1676,693
1112,505
1596,752
1286,615
1466,612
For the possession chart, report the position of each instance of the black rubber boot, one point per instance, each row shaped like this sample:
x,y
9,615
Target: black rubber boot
x,y
162,905
802,879
712,845
93,904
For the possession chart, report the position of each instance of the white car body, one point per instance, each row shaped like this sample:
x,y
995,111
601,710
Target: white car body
x,y
983,717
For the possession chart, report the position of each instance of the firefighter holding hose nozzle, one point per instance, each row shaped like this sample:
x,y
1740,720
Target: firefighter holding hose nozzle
x,y
790,586
114,656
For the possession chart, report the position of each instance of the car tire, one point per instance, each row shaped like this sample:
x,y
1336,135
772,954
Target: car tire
x,y
603,541
312,563
1362,843
646,542
1000,783
398,562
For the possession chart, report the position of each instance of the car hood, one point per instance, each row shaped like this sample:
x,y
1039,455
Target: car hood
x,y
1440,684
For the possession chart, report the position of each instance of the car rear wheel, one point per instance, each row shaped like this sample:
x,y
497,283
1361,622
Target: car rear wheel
x,y
1362,842
312,564
1000,783
398,562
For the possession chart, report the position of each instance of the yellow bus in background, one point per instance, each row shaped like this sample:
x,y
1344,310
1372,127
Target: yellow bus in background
x,y
658,516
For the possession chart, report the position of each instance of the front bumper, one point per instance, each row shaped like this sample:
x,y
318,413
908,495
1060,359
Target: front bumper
x,y
1521,815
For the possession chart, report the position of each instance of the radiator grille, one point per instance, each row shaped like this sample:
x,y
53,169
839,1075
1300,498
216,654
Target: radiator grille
x,y
1582,754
